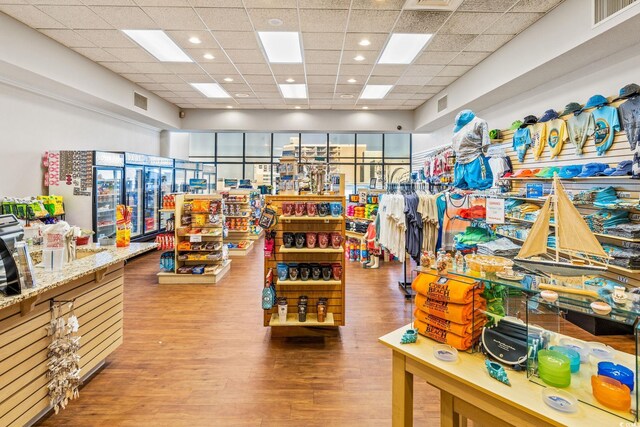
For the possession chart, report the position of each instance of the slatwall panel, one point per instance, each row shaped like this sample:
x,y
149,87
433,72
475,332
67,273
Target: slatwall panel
x,y
24,341
335,293
619,151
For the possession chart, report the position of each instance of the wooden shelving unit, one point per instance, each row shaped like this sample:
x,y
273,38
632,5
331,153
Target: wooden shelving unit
x,y
552,225
238,207
334,290
222,266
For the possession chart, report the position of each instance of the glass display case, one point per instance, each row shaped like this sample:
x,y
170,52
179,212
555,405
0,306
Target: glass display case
x,y
151,199
133,197
108,195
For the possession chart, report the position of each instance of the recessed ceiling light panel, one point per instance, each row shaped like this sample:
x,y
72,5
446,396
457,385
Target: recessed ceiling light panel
x,y
359,58
228,79
211,90
346,96
375,91
403,48
242,95
195,40
158,44
364,42
352,80
290,80
281,47
208,56
293,91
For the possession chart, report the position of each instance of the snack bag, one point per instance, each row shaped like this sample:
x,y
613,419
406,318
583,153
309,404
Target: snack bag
x,y
123,225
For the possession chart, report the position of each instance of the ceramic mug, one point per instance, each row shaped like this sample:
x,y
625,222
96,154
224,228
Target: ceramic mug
x,y
287,208
288,239
336,209
336,240
302,312
312,238
305,272
336,269
301,240
300,208
321,309
293,271
326,272
312,209
316,272
283,271
323,240
324,209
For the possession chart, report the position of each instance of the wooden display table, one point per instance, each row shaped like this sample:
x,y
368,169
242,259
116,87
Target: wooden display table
x,y
468,392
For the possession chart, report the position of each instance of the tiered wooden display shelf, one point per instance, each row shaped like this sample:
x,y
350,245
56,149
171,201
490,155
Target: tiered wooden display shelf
x,y
334,290
173,278
236,236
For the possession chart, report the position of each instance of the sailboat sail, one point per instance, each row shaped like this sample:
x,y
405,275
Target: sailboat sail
x,y
573,232
536,242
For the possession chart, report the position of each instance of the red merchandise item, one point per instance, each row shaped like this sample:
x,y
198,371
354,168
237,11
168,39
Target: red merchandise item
x,y
474,212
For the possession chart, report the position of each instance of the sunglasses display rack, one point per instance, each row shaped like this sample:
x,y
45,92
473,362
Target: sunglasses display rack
x,y
200,256
238,217
308,238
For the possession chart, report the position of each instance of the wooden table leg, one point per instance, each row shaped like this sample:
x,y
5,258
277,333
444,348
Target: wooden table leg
x,y
402,392
448,417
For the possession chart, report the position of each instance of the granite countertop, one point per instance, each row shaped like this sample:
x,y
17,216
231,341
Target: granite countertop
x,y
98,259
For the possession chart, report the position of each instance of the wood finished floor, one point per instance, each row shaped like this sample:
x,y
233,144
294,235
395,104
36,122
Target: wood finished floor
x,y
199,356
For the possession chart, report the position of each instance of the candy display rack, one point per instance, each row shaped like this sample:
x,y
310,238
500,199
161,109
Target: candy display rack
x,y
237,205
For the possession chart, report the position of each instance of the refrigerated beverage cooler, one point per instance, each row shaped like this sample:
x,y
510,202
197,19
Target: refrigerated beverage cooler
x,y
166,187
134,190
184,171
108,172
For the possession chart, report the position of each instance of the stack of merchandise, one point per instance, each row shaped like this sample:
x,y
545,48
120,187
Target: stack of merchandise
x,y
585,197
350,209
512,230
358,212
528,211
468,241
370,210
357,226
500,247
606,198
629,230
624,257
606,218
448,310
474,212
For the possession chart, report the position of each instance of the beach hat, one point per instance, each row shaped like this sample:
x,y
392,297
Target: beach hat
x,y
628,91
592,169
623,168
570,171
515,125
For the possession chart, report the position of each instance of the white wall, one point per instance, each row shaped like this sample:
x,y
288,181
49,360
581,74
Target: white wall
x,y
32,124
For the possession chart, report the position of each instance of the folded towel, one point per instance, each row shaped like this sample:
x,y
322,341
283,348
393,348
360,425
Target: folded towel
x,y
440,335
458,291
461,329
458,313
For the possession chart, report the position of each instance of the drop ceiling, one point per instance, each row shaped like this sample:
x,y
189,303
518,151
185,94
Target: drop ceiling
x,y
331,32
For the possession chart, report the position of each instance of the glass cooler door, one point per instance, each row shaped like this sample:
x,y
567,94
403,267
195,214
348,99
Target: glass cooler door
x,y
108,190
133,178
181,181
151,199
166,187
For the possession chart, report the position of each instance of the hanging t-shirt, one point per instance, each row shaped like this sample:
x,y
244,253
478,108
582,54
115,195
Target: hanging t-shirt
x,y
521,142
468,141
579,128
630,115
606,124
499,167
538,139
556,136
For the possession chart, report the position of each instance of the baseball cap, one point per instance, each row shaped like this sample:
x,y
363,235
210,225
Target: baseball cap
x,y
570,171
529,120
623,168
548,115
516,124
548,172
571,107
596,101
628,91
592,169
526,173
494,134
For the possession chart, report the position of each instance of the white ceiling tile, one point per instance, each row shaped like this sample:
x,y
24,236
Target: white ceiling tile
x,y
348,56
176,100
382,80
255,69
514,23
469,22
269,4
124,18
268,94
178,87
68,38
183,67
130,54
350,88
138,78
397,95
76,17
228,19
166,78
190,93
324,4
376,40
221,76
424,70
260,19
237,39
535,5
454,70
112,2
196,78
198,54
30,15
182,39
436,58
258,78
96,54
322,41
486,5
265,88
414,80
418,21
410,89
322,56
245,56
175,18
488,42
321,88
321,95
377,4
356,70
321,79
150,67
119,67
372,21
316,106
161,3
152,86
282,79
164,93
441,81
17,2
389,70
51,2
449,42
323,21
431,90
287,69
107,38
236,87
469,58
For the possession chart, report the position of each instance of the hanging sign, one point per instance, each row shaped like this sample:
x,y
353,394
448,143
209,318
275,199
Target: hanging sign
x,y
495,211
197,183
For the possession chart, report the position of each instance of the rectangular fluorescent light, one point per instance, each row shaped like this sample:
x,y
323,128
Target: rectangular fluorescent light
x,y
293,90
158,44
375,91
281,47
403,48
211,90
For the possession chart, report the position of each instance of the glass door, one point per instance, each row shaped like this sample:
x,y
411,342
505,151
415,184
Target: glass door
x,y
181,181
151,199
191,174
166,187
108,193
133,197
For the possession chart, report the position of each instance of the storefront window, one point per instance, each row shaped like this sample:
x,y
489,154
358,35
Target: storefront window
x,y
202,146
233,170
229,147
397,146
313,147
342,147
397,173
369,145
257,147
280,140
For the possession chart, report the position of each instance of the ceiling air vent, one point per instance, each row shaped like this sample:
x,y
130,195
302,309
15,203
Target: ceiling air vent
x,y
432,4
140,101
602,9
442,103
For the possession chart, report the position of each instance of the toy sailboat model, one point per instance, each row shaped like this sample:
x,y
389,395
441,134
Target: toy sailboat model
x,y
573,238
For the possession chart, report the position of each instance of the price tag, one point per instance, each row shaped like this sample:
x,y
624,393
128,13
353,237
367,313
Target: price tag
x,y
195,238
623,279
495,211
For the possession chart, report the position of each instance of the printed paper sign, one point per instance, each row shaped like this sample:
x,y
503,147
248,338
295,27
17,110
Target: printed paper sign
x,y
495,211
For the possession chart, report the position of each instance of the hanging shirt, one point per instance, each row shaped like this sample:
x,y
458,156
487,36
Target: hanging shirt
x,y
556,136
630,115
468,141
538,139
499,167
606,124
521,142
579,128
